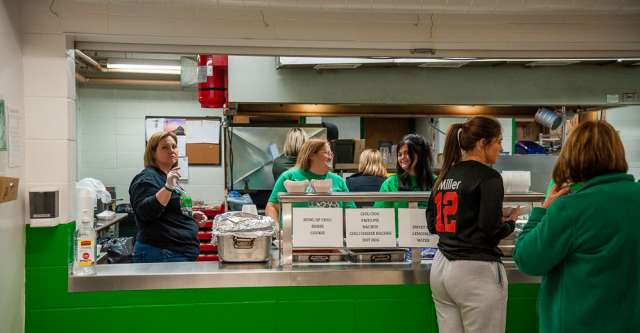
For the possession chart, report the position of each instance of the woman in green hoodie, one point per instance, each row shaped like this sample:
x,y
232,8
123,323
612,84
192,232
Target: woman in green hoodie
x,y
586,243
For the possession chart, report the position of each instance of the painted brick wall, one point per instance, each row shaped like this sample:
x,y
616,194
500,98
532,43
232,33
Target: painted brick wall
x,y
111,139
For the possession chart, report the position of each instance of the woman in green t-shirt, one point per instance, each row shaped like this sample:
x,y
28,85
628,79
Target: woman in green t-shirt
x,y
314,162
413,171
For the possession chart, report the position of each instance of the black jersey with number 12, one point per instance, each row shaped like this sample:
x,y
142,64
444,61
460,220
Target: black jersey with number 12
x,y
466,212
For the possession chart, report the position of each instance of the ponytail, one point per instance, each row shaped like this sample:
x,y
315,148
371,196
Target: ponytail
x,y
463,137
451,154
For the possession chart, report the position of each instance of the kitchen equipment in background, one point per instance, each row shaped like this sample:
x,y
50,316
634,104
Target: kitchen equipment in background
x,y
529,147
377,255
548,118
516,181
235,200
44,205
386,149
343,151
318,255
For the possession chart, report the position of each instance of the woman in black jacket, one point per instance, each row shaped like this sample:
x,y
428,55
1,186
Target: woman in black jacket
x,y
371,173
167,231
296,137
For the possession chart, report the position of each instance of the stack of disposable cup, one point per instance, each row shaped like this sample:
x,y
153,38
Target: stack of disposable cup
x,y
516,181
86,200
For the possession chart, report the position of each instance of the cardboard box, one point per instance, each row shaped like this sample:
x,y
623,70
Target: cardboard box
x,y
8,188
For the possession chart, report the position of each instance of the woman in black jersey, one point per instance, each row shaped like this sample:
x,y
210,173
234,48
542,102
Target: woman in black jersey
x,y
468,280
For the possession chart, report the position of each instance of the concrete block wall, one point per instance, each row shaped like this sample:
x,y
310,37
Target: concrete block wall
x,y
12,236
49,103
111,137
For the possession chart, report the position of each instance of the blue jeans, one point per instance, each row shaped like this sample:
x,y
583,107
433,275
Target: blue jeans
x,y
144,253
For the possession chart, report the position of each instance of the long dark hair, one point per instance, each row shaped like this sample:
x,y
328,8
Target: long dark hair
x,y
418,150
463,137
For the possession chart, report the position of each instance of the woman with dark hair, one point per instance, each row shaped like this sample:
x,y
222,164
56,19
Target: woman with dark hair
x,y
413,170
585,240
468,281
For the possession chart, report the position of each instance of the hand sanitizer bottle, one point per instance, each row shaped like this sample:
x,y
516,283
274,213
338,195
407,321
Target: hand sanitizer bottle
x,y
84,262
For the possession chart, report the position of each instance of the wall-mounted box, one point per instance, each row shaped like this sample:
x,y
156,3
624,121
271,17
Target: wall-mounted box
x,y
8,189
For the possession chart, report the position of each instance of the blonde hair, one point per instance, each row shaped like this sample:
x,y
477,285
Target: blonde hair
x,y
593,149
371,163
152,146
296,137
312,146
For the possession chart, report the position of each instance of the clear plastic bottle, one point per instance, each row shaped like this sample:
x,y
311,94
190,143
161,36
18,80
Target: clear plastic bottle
x,y
84,262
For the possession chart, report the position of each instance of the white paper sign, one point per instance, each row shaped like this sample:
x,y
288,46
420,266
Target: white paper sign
x,y
370,227
183,163
211,131
317,227
182,145
153,125
412,229
15,137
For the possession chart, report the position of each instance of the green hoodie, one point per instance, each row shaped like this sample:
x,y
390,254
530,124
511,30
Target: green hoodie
x,y
587,248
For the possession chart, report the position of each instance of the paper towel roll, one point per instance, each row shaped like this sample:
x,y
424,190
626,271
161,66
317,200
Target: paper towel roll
x,y
516,181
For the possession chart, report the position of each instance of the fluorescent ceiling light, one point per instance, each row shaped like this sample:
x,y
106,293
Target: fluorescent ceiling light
x,y
553,62
336,66
150,66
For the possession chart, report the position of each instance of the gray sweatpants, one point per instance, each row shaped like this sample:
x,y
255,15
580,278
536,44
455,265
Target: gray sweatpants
x,y
470,296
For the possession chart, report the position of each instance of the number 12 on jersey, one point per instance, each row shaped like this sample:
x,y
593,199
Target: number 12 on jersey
x,y
446,211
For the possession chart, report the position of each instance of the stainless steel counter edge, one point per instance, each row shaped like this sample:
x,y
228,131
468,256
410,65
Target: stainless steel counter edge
x,y
214,275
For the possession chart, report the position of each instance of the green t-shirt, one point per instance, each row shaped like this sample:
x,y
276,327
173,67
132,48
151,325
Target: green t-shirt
x,y
297,174
391,185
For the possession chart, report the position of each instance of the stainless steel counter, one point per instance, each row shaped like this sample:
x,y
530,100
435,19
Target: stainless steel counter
x,y
216,275
104,224
286,272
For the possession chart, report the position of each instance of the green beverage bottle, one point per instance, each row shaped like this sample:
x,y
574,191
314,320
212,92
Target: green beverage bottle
x,y
185,204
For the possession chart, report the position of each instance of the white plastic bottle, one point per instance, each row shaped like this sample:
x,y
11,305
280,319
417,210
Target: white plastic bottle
x,y
84,262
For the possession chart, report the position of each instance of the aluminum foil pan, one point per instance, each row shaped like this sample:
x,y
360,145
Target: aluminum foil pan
x,y
243,225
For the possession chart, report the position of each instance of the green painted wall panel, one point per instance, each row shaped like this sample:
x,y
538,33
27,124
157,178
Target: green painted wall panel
x,y
49,246
400,308
242,317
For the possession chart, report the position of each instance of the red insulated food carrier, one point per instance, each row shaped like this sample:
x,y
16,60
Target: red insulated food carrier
x,y
212,80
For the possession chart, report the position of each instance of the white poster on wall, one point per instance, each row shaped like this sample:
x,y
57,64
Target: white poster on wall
x,y
153,125
412,229
15,137
370,227
182,145
317,227
183,163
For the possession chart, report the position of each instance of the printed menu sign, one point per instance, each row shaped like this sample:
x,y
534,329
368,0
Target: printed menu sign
x,y
412,229
370,227
317,227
